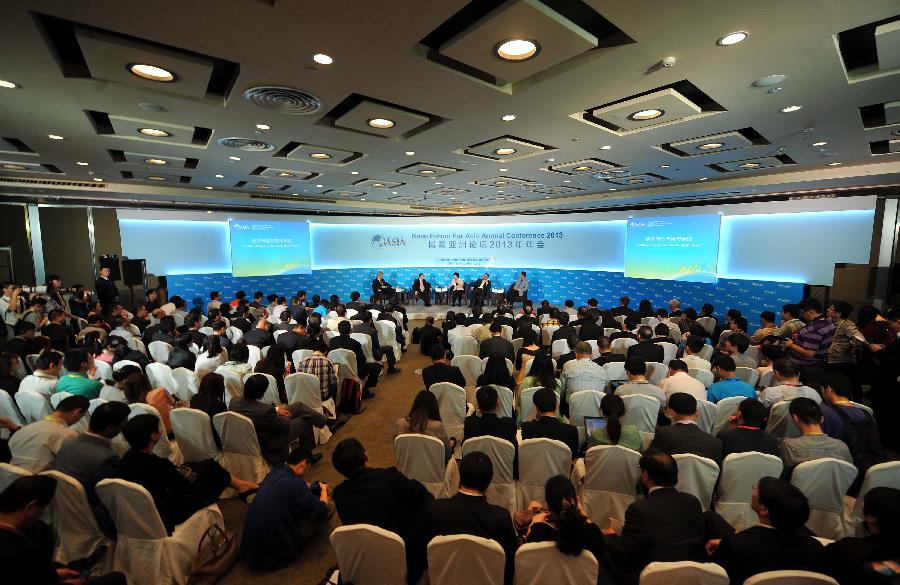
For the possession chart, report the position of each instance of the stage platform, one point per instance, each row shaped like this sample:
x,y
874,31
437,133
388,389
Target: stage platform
x,y
420,311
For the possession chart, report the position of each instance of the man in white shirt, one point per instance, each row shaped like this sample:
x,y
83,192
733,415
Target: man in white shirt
x,y
787,385
680,381
636,370
582,373
121,328
9,304
692,349
35,446
45,376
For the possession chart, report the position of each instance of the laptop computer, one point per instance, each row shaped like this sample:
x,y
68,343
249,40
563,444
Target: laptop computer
x,y
592,423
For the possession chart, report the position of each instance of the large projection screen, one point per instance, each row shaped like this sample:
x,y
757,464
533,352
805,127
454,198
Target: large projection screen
x,y
681,247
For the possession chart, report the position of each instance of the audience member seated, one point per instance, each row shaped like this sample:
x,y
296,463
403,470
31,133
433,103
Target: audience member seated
x,y
429,335
496,372
238,356
661,334
177,493
321,367
565,330
294,338
424,418
22,342
486,422
26,543
79,363
210,398
137,389
679,380
582,373
767,327
258,336
546,425
45,376
565,522
529,349
210,356
468,512
367,371
496,344
277,427
850,559
285,514
645,348
278,366
604,348
590,329
636,370
779,542
735,346
182,356
813,444
166,331
746,431
114,349
683,435
563,359
768,355
612,407
729,385
542,373
787,385
35,445
694,344
60,335
121,377
90,457
664,526
284,322
440,369
383,497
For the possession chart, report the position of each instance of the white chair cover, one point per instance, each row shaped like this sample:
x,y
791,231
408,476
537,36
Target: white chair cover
x,y
186,383
582,404
271,395
539,460
31,359
139,345
697,476
103,370
365,340
790,578
255,354
765,380
234,334
724,409
10,473
122,363
160,351
540,563
526,404
609,485
275,334
749,375
656,372
684,573
452,405
206,331
559,347
595,349
505,399
241,454
369,555
824,481
421,457
615,371
708,323
464,345
299,355
194,432
709,413
328,334
58,397
780,423
622,344
304,388
143,550
346,361
641,411
547,334
387,337
670,350
463,558
881,475
9,409
160,376
77,533
502,491
164,448
234,386
517,344
704,376
33,405
471,367
740,472
507,332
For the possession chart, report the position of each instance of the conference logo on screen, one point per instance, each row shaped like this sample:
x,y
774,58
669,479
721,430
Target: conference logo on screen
x,y
382,241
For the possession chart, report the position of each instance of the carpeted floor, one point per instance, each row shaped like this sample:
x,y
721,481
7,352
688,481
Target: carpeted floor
x,y
374,428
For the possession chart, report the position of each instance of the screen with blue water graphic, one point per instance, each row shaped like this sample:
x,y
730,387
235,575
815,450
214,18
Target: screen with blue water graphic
x,y
268,248
684,248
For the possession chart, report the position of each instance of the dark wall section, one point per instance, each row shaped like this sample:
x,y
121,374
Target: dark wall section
x,y
14,234
67,250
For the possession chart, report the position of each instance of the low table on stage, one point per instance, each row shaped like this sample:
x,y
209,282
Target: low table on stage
x,y
441,296
497,295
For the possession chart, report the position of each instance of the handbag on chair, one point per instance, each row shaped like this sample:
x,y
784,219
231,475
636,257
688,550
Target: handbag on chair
x,y
216,554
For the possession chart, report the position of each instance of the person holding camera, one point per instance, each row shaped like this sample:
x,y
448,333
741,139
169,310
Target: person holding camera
x,y
9,306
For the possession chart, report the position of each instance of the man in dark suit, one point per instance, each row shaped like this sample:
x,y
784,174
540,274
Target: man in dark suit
x,y
547,426
383,497
355,303
481,289
368,371
293,340
590,329
468,512
746,431
631,322
666,526
241,321
421,288
606,353
440,369
623,308
259,335
645,348
107,291
683,435
192,327
368,327
60,335
487,423
496,344
565,330
381,288
429,335
277,427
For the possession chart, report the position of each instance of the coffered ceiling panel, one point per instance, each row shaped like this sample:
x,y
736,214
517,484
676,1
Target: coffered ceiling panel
x,y
584,166
28,167
13,146
506,148
636,179
427,170
154,131
322,155
715,143
153,160
752,164
284,174
377,184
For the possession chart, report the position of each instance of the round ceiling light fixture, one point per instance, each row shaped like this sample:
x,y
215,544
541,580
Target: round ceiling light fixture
x,y
155,161
151,72
220,176
323,59
262,126
606,147
834,164
769,80
235,158
7,84
505,151
381,123
378,185
320,155
154,132
582,168
98,179
820,143
55,137
426,172
156,178
710,146
644,115
209,188
517,49
284,174
732,38
750,165
508,117
790,109
409,153
81,163
13,167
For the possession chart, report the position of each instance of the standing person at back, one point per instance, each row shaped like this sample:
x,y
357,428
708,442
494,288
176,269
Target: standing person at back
x,y
809,349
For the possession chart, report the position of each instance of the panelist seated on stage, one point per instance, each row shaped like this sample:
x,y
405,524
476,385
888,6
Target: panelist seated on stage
x,y
421,288
519,290
482,288
457,290
381,288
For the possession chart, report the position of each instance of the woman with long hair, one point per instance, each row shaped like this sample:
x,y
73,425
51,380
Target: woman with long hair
x,y
210,356
613,409
424,418
542,373
138,389
645,308
496,372
210,398
275,364
530,348
565,523
114,350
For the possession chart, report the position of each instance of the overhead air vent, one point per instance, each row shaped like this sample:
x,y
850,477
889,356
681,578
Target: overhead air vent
x,y
611,174
291,198
51,183
286,100
250,144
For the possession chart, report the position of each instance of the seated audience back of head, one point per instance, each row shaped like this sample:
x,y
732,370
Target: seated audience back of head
x,y
849,560
813,444
746,431
684,436
546,425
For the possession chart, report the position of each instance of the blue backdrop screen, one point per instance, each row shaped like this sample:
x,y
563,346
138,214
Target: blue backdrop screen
x,y
681,247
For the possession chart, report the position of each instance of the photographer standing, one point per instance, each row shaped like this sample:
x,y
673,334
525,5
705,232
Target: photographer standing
x,y
9,307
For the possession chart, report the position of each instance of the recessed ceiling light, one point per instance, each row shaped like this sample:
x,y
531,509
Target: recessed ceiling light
x,y
551,160
582,168
438,183
151,72
12,167
567,181
393,192
822,143
98,179
378,184
732,39
7,84
284,174
503,170
426,172
663,166
834,164
508,118
234,157
769,80
81,164
643,115
156,178
155,161
354,172
409,153
156,133
55,137
318,186
210,188
362,198
703,178
320,155
605,147
262,126
209,212
635,181
613,189
790,109
220,176
505,151
547,197
322,59
517,49
381,123
750,165
710,146
500,182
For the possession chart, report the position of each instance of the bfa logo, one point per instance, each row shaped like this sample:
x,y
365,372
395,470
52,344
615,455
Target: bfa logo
x,y
382,241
